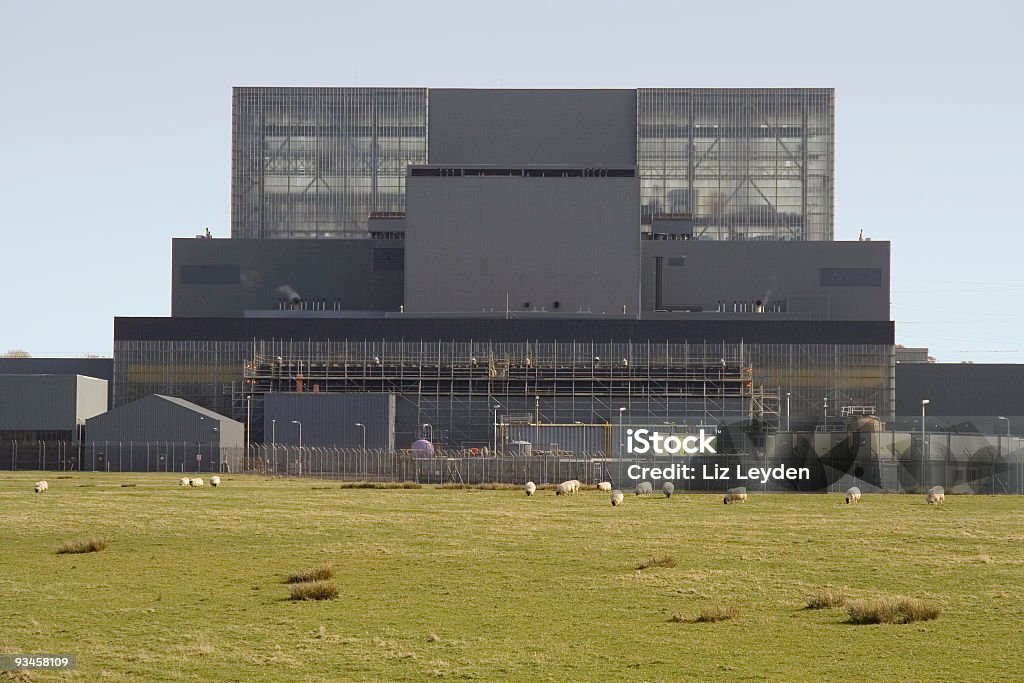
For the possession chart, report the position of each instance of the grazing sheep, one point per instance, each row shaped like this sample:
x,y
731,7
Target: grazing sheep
x,y
668,488
604,486
643,487
617,498
736,495
563,489
197,482
575,485
531,488
215,481
853,495
42,486
936,495
184,481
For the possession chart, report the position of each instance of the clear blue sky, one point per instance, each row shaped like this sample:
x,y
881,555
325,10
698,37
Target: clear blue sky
x,y
117,121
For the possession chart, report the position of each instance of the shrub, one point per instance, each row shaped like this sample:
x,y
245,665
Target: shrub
x,y
314,590
93,545
381,485
891,610
827,598
321,573
718,612
657,561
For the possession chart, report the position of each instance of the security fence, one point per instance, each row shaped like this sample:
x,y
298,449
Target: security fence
x,y
898,461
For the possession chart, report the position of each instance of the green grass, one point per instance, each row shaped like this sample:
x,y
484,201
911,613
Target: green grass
x,y
489,584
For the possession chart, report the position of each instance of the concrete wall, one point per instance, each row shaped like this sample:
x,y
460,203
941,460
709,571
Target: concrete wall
x,y
329,419
225,278
579,127
808,280
472,240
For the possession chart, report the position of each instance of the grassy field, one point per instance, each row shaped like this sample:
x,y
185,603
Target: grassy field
x,y
476,584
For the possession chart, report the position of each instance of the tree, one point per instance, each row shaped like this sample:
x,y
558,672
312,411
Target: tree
x,y
17,353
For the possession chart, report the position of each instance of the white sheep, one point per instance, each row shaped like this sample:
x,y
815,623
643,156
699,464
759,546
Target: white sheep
x,y
42,486
668,488
184,481
936,495
575,485
617,498
644,487
736,495
563,489
197,482
215,481
531,488
604,486
853,495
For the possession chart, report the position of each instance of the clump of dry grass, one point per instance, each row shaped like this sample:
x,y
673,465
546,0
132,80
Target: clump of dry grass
x,y
322,573
92,545
314,590
658,561
717,612
481,487
380,485
677,618
891,610
827,598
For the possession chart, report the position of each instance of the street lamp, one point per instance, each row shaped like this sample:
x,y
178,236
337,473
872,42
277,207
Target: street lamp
x,y
924,462
296,422
621,411
826,413
1007,425
363,427
431,428
787,412
273,432
496,407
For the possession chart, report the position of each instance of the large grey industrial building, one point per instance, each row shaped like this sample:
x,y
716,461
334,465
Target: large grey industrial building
x,y
559,254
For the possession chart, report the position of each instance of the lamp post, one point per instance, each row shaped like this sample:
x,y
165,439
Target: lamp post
x,y
787,412
1007,426
363,427
273,432
924,461
496,407
621,411
296,422
826,413
431,428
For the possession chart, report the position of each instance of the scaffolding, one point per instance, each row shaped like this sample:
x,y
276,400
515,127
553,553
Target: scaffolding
x,y
464,389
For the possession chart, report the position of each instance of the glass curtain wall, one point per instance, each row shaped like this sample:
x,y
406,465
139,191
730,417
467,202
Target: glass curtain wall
x,y
315,162
743,163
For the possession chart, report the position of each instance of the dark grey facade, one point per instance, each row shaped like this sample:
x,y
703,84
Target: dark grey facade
x,y
48,407
329,419
784,280
100,368
522,127
217,278
547,243
965,390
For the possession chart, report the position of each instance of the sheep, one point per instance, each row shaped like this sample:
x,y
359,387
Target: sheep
x,y
617,498
531,488
736,495
197,482
936,495
604,486
563,489
214,481
853,495
42,486
643,487
575,485
668,488
184,481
